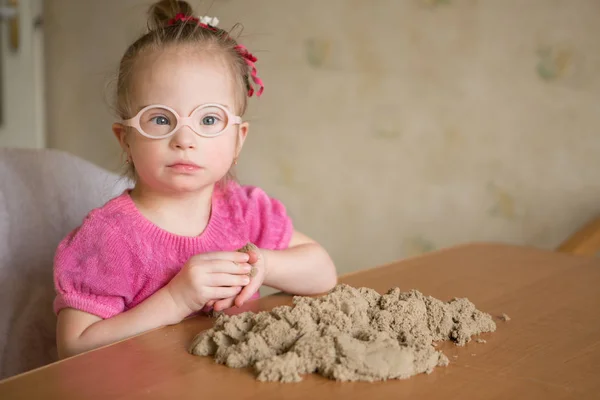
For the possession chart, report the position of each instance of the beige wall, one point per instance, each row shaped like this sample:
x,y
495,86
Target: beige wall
x,y
389,128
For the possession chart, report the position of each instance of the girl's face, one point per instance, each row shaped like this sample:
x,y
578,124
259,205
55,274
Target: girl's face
x,y
182,79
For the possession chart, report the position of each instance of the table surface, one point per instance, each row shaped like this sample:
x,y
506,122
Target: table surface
x,y
550,348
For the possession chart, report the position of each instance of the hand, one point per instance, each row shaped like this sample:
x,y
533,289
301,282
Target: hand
x,y
209,277
257,260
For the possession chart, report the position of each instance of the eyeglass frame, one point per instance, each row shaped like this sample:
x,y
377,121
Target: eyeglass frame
x,y
134,122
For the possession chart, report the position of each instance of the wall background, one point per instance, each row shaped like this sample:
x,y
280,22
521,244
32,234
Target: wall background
x,y
389,128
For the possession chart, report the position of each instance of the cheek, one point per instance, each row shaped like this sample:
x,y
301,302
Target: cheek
x,y
145,152
221,151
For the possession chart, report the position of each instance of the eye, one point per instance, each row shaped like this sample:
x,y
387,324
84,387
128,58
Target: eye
x,y
160,120
209,120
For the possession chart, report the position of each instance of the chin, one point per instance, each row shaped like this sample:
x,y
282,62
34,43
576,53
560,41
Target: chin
x,y
187,186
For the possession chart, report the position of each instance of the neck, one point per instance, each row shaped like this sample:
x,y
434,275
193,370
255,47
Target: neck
x,y
180,213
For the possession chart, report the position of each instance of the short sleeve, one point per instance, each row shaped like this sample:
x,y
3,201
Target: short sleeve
x,y
92,270
270,227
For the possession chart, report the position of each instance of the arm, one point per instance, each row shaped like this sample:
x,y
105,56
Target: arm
x,y
79,331
90,311
287,260
304,268
204,277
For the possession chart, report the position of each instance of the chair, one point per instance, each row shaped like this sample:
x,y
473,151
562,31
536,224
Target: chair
x,y
585,242
44,194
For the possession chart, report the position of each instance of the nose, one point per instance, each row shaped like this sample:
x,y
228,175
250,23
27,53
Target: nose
x,y
184,139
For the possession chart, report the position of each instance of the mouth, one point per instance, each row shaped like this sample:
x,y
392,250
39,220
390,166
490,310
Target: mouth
x,y
187,166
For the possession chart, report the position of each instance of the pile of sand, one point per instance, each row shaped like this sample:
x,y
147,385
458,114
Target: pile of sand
x,y
348,335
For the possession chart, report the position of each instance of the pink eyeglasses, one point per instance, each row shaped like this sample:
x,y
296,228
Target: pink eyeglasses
x,y
159,122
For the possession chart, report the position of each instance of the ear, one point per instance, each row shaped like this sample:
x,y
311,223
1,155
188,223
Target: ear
x,y
241,138
120,133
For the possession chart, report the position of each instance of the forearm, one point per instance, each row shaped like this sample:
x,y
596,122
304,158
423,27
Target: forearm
x,y
158,310
305,269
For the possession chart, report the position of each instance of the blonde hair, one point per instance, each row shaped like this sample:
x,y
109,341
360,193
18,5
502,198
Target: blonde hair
x,y
166,29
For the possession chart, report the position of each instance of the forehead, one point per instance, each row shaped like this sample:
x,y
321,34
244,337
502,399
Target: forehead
x,y
181,78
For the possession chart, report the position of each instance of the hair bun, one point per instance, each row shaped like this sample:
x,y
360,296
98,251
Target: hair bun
x,y
161,12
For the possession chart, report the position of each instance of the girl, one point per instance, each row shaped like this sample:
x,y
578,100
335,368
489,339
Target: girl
x,y
167,248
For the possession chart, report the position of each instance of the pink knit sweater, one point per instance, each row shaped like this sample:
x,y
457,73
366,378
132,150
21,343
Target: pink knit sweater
x,y
117,258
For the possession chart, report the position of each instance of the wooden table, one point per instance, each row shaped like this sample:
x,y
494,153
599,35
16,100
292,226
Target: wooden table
x,y
549,349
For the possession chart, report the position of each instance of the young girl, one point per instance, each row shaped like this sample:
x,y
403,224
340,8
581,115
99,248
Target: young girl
x,y
167,248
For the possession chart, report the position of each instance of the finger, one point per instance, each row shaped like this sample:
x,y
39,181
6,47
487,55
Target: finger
x,y
247,292
224,267
225,292
253,257
224,304
234,256
210,303
224,279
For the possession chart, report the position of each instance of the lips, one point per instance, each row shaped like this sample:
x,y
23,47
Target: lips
x,y
185,163
184,166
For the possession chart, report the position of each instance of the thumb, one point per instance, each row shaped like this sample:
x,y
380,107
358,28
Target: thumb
x,y
254,257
